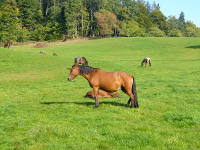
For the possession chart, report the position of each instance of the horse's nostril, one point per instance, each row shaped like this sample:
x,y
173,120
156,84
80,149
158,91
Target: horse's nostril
x,y
69,79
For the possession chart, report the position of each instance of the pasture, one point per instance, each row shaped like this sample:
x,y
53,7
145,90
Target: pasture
x,y
41,110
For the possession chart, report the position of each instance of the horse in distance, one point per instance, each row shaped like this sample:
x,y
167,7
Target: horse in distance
x,y
146,61
80,61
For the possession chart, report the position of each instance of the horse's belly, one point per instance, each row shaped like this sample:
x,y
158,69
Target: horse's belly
x,y
110,87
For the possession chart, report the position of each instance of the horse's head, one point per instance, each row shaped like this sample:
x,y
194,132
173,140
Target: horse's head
x,y
80,61
74,71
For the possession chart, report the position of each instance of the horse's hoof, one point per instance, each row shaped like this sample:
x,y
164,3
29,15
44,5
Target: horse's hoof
x,y
95,107
133,106
136,106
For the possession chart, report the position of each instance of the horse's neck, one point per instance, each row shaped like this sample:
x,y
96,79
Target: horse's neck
x,y
86,76
89,76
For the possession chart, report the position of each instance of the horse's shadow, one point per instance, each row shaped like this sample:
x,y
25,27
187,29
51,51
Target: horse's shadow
x,y
84,103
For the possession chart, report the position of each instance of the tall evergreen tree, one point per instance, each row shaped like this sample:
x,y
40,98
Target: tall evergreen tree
x,y
155,6
182,18
148,7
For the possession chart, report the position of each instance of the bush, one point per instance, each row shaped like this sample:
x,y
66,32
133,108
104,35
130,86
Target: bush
x,y
175,33
197,34
190,31
155,32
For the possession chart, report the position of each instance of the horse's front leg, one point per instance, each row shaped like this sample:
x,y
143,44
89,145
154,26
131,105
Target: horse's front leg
x,y
96,93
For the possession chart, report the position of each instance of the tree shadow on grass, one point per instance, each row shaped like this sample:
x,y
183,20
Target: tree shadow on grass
x,y
84,103
194,47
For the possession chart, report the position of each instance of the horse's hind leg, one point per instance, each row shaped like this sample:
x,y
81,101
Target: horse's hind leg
x,y
150,63
124,90
96,93
128,91
131,99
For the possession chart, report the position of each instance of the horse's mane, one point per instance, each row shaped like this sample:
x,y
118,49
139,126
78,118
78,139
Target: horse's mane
x,y
86,69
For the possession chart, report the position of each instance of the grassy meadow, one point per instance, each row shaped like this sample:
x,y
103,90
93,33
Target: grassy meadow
x,y
41,110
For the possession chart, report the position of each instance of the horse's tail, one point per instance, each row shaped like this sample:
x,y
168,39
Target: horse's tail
x,y
134,91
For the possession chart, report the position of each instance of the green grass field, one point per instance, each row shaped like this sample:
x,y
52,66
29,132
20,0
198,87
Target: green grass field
x,y
41,110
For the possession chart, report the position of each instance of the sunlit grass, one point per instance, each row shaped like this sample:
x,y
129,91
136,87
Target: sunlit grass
x,y
40,109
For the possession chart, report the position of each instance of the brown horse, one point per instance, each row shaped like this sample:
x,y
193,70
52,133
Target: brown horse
x,y
107,81
102,94
7,44
80,60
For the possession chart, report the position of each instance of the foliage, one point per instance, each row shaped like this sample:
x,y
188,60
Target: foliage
x,y
107,22
22,35
173,23
9,23
53,31
131,29
197,34
159,19
155,32
175,33
190,29
181,20
64,19
39,33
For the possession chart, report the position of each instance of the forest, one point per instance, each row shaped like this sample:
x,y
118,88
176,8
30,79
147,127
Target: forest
x,y
44,20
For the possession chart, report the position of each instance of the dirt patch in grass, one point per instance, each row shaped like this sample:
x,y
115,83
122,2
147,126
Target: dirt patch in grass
x,y
40,45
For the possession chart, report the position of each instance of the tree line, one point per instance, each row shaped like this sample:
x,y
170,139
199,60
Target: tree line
x,y
37,20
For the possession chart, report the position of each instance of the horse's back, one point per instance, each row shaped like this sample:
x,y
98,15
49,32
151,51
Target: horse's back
x,y
111,81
